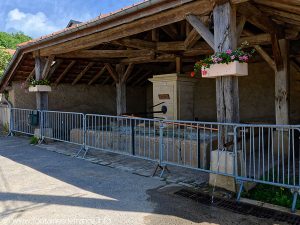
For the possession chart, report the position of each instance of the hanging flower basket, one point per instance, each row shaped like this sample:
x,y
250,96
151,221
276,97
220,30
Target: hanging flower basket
x,y
40,88
229,63
231,69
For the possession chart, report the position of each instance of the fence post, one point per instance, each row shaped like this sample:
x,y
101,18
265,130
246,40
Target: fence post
x,y
132,137
84,132
11,122
41,113
161,142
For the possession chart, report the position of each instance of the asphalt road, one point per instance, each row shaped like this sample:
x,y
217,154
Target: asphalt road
x,y
39,187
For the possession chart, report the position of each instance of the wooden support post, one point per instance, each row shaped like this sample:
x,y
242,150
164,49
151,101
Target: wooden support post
x,y
282,85
178,65
121,90
41,97
227,90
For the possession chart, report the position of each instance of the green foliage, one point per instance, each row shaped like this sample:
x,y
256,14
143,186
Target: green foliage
x,y
34,82
272,194
222,58
11,41
5,57
34,140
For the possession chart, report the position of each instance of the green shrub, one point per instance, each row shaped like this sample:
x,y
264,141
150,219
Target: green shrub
x,y
34,140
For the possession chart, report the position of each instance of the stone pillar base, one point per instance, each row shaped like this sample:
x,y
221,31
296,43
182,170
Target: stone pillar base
x,y
47,132
224,163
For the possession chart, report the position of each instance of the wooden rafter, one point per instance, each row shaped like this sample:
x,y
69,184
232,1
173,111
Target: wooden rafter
x,y
97,76
91,54
31,75
53,68
201,29
135,43
133,27
82,73
127,72
171,31
291,6
265,56
64,73
112,72
47,67
191,39
240,27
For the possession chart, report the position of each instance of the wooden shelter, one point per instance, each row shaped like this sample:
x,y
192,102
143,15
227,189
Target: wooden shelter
x,y
127,47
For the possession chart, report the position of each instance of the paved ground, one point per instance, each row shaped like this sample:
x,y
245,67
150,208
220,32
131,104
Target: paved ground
x,y
38,186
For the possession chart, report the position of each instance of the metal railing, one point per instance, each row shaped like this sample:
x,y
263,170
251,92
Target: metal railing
x,y
267,154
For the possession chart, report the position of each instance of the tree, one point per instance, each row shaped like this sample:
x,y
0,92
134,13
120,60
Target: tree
x,y
5,57
11,41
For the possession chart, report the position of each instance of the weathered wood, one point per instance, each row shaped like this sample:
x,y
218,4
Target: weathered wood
x,y
260,39
171,46
127,73
64,73
171,31
135,43
276,51
238,1
295,65
41,97
82,73
178,65
91,54
191,39
282,86
134,27
265,56
97,76
240,27
53,68
227,91
155,35
47,66
291,6
31,75
201,29
121,90
112,72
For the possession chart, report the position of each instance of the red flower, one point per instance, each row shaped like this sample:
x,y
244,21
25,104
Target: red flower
x,y
193,74
204,72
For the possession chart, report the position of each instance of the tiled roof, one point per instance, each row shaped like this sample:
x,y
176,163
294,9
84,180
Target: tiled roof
x,y
76,26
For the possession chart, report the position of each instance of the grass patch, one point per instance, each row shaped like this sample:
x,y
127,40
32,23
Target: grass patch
x,y
34,140
272,194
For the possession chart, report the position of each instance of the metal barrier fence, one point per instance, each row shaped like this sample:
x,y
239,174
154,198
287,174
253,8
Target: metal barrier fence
x,y
267,154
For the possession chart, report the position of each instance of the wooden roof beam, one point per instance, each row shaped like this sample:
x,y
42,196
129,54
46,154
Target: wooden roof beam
x,y
171,31
92,54
53,68
64,73
81,74
112,72
191,39
127,72
97,76
135,43
47,67
201,29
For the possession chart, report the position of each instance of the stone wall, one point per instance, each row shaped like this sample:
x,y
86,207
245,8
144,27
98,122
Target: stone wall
x,y
256,97
80,98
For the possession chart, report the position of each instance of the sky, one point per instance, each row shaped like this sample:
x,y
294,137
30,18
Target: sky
x,y
40,17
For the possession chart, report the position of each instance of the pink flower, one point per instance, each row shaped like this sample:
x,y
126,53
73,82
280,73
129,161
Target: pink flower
x,y
203,72
229,52
232,57
220,59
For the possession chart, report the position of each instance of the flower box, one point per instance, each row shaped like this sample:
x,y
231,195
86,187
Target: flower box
x,y
40,88
234,68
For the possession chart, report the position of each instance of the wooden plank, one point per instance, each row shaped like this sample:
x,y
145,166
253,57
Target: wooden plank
x,y
260,39
82,73
97,76
265,56
127,72
160,19
135,43
41,97
121,90
238,1
201,29
155,35
227,91
282,86
178,63
47,66
92,54
280,13
240,27
171,31
64,73
276,51
171,46
31,75
112,72
53,68
191,39
285,6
